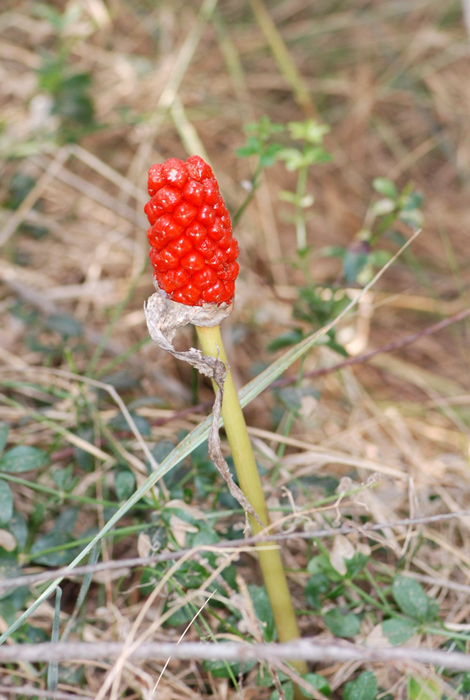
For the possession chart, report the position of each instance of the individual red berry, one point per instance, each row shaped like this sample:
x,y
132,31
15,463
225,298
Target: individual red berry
x,y
197,168
232,250
226,223
165,260
196,232
219,206
193,252
167,198
180,246
193,262
185,213
206,215
156,178
230,288
174,279
217,260
189,294
207,247
211,190
205,277
165,229
215,292
153,210
194,192
224,242
229,272
216,231
174,170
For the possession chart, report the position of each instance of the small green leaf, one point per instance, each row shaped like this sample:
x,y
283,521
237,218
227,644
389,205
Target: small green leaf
x,y
53,540
413,218
385,187
333,251
19,529
6,503
253,147
293,158
379,258
383,206
263,611
353,263
342,624
124,483
269,155
63,478
364,687
287,689
4,430
413,201
319,683
410,597
466,682
398,631
84,459
317,585
23,459
119,422
292,396
309,130
421,689
286,339
224,669
67,326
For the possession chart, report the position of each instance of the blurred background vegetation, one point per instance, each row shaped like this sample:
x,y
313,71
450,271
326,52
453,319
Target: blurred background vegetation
x,y
336,130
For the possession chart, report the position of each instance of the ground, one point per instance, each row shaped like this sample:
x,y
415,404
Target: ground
x,y
367,439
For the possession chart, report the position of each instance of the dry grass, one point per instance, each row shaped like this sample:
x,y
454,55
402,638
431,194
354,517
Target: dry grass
x,y
173,78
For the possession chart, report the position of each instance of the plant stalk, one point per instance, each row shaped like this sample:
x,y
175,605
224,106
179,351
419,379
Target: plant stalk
x,y
269,554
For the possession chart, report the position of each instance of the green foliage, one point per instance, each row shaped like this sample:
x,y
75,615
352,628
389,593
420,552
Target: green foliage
x,y
342,623
423,689
222,669
291,397
4,431
124,483
398,630
21,185
316,307
119,422
23,459
364,687
263,611
410,597
67,88
6,503
314,679
258,142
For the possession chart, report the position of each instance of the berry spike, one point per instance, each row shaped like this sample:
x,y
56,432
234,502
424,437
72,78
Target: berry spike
x,y
193,252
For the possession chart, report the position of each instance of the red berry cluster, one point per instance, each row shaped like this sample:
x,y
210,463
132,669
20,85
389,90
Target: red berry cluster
x,y
193,252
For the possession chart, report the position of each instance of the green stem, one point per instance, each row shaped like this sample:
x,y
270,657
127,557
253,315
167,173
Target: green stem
x,y
248,476
300,223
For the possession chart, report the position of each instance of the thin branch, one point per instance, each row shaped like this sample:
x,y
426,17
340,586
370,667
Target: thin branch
x,y
307,649
30,692
389,347
229,545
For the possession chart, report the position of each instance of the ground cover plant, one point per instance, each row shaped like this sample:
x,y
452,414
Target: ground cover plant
x,y
338,134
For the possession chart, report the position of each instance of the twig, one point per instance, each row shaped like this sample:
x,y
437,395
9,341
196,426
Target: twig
x,y
307,649
65,571
29,691
389,347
